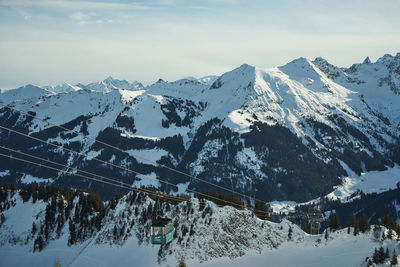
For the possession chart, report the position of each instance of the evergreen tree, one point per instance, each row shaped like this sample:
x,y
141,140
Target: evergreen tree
x,y
46,232
248,204
3,219
261,210
393,261
76,214
182,263
389,223
304,225
72,233
34,196
48,216
390,234
33,228
334,222
115,232
356,231
337,222
290,233
352,220
377,230
56,263
60,205
136,211
364,224
60,223
331,220
53,204
375,256
38,245
381,255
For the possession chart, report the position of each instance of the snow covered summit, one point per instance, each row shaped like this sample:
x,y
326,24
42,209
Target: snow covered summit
x,y
289,133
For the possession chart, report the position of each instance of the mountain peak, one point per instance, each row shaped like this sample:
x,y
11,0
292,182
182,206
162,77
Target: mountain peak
x,y
245,69
320,60
331,71
300,60
245,66
301,68
241,76
385,60
367,61
28,91
109,79
299,63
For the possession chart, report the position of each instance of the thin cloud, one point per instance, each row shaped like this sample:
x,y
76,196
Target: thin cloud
x,y
73,4
80,16
23,13
88,18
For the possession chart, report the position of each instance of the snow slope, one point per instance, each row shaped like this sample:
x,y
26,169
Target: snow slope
x,y
346,119
214,236
370,182
27,92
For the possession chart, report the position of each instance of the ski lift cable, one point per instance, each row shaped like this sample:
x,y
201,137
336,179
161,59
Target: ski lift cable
x,y
60,170
83,154
91,178
129,170
63,165
137,156
76,169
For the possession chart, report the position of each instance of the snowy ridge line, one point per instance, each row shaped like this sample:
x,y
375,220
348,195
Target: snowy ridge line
x,y
130,187
83,176
121,150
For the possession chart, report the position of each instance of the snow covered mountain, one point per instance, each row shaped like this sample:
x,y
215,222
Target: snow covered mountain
x,y
287,133
39,226
110,84
24,93
63,88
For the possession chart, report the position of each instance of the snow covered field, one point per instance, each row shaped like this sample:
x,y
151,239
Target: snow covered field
x,y
341,249
368,182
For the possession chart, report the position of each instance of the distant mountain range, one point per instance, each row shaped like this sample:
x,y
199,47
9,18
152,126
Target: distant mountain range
x,y
285,133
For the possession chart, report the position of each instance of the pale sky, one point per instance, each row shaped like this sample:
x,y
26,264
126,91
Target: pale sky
x,y
47,42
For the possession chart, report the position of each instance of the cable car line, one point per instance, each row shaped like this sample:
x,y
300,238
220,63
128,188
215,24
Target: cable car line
x,y
59,170
137,156
83,154
118,184
62,165
76,169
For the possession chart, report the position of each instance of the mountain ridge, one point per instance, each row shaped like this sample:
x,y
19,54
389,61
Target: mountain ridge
x,y
218,128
